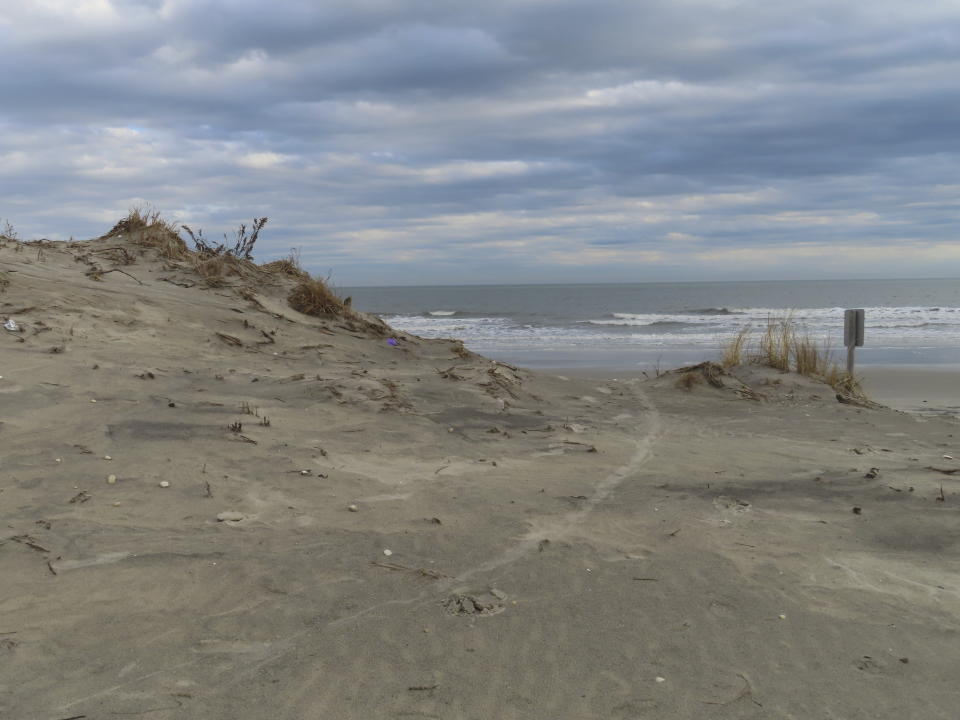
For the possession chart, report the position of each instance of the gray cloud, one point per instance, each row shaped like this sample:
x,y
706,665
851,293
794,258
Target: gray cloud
x,y
514,140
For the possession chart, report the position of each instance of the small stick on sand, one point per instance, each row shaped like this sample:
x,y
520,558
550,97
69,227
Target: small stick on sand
x,y
746,692
432,574
95,274
229,339
30,542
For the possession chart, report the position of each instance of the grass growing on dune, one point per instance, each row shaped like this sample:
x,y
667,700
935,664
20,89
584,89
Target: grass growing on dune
x,y
216,263
313,296
785,346
733,351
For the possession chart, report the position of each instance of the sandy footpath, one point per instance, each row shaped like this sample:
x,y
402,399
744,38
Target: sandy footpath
x,y
212,506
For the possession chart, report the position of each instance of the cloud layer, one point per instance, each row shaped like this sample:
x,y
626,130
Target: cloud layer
x,y
411,141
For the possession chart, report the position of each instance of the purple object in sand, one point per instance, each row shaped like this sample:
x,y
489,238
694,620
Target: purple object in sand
x,y
392,341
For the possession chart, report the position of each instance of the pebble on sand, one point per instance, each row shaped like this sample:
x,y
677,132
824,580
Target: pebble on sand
x,y
111,479
230,516
387,552
353,508
164,483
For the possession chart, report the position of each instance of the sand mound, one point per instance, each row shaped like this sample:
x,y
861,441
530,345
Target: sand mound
x,y
215,505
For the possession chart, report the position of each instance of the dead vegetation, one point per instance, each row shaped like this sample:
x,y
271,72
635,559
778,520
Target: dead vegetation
x,y
713,374
786,347
221,264
7,233
312,296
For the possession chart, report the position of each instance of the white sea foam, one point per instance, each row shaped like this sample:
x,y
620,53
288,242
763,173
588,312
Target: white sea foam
x,y
886,327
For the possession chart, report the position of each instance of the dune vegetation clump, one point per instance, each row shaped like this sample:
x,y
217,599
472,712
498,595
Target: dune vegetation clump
x,y
313,296
785,346
145,227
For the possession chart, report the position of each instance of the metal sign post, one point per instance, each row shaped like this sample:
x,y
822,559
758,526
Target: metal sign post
x,y
853,322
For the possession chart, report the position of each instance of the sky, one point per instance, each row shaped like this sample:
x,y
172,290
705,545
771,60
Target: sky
x,y
405,142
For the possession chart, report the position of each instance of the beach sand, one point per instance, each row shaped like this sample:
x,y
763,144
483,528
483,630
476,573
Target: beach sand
x,y
306,521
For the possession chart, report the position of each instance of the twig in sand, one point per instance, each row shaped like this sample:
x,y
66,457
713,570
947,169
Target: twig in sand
x,y
647,579
674,533
945,471
229,339
30,542
941,497
97,273
746,692
425,572
449,373
209,491
50,567
416,688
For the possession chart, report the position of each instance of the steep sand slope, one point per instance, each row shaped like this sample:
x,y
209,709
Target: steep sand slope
x,y
557,548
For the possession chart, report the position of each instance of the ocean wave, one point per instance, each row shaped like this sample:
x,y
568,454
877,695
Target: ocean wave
x,y
887,326
640,322
711,311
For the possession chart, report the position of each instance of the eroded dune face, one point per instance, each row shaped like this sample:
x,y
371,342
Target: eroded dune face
x,y
307,519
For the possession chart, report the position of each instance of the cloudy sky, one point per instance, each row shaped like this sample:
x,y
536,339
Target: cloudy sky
x,y
443,142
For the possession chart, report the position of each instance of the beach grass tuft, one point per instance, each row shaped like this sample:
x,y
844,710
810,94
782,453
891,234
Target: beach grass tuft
x,y
785,346
313,296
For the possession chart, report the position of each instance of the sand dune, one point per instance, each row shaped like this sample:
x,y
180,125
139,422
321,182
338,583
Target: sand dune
x,y
409,530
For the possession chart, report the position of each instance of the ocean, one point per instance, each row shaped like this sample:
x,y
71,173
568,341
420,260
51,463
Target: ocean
x,y
648,325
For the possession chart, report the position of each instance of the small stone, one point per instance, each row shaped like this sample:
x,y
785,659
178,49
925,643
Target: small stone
x,y
387,552
857,509
59,460
230,516
660,679
449,429
782,617
164,483
353,508
93,401
948,457
111,479
304,472
116,504
107,457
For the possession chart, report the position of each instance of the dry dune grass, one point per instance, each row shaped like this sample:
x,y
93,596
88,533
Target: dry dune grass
x,y
784,346
284,267
217,263
312,296
145,227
